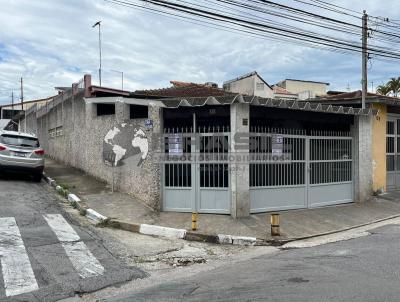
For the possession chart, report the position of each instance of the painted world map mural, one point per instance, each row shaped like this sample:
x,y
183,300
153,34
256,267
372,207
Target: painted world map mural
x,y
123,143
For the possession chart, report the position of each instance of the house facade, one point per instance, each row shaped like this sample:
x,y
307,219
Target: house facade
x,y
304,89
214,152
249,84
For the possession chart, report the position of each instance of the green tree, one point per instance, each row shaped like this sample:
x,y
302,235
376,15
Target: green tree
x,y
383,89
394,85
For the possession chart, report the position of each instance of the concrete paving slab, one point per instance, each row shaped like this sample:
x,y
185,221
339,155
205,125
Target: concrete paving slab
x,y
294,224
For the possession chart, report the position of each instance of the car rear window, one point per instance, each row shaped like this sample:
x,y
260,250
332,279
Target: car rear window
x,y
20,141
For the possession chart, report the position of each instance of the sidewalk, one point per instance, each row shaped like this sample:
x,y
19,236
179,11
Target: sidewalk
x,y
294,224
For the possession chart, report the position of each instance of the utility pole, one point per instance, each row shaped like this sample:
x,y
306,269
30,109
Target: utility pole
x,y
98,23
12,101
22,94
364,58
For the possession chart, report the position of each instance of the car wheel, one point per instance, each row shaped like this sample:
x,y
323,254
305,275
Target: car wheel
x,y
37,177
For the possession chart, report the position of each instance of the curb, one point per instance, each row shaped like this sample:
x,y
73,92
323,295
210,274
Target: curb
x,y
75,201
167,232
147,229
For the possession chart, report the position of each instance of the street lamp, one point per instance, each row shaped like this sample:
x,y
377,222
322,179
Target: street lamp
x,y
98,23
122,77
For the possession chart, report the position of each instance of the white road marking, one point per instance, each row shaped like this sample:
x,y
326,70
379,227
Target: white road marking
x,y
17,270
81,258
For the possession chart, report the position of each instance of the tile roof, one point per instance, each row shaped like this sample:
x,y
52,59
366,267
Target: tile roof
x,y
280,90
356,95
351,95
184,89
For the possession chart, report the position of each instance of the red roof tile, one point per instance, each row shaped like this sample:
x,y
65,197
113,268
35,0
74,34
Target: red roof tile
x,y
354,95
280,90
184,89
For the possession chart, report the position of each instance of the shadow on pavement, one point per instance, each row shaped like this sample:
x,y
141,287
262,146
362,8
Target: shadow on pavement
x,y
10,176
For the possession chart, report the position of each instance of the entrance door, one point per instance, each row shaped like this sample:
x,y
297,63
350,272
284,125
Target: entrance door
x,y
196,174
393,153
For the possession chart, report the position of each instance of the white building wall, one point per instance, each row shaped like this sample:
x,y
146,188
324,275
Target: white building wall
x,y
252,85
315,89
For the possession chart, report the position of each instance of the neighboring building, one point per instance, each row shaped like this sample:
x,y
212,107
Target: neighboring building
x,y
283,94
384,138
249,84
304,89
182,153
8,111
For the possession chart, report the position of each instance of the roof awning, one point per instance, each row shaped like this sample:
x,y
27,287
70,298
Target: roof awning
x,y
273,103
228,100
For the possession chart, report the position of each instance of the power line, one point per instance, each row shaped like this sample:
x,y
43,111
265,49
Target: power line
x,y
227,28
260,27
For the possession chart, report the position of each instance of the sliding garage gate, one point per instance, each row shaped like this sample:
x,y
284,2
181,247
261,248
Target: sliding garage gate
x,y
298,170
196,170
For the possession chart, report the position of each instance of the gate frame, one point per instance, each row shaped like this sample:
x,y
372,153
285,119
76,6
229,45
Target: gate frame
x,y
307,166
195,188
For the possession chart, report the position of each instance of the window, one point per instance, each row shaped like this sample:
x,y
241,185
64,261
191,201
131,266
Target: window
x,y
105,109
138,111
56,132
390,127
20,141
59,131
52,133
9,113
260,86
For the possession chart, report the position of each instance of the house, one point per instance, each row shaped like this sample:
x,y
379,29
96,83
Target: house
x,y
8,111
383,138
289,89
304,89
249,84
196,147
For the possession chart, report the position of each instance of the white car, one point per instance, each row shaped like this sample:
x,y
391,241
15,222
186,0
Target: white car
x,y
21,152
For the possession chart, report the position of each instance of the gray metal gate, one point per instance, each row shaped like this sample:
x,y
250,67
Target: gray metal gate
x,y
300,171
393,152
196,170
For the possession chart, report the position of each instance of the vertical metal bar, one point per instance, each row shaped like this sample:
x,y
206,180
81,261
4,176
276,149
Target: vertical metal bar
x,y
173,175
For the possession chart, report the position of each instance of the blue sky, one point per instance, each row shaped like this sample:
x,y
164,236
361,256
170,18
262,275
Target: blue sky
x,y
51,43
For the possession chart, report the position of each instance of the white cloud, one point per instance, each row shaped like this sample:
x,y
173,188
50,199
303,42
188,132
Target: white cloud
x,y
52,43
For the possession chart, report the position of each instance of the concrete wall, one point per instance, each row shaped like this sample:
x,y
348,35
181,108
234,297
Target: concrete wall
x,y
379,147
81,145
299,86
362,154
29,123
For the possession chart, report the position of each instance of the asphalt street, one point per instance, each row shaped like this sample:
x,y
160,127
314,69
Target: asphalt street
x,y
45,254
363,269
